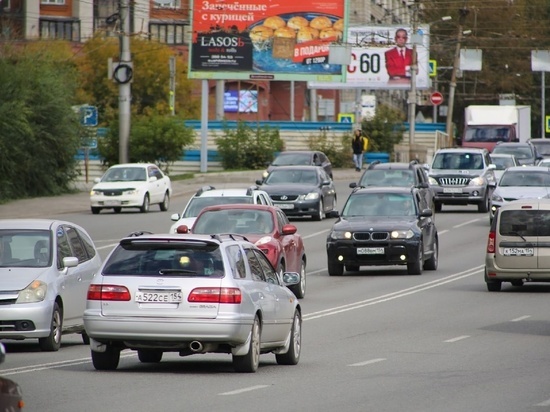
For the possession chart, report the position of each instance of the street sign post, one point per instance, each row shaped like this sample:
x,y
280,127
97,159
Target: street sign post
x,y
436,98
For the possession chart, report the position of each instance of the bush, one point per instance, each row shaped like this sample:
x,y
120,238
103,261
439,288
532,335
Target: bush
x,y
246,148
340,154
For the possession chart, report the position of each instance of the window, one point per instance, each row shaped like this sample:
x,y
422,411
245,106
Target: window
x,y
159,4
76,245
255,267
60,29
270,274
170,33
52,2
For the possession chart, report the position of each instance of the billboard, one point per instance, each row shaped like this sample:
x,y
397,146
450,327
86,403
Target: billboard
x,y
240,101
264,40
381,58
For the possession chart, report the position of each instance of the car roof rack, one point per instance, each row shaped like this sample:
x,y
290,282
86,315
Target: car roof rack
x,y
373,163
204,189
232,236
251,189
139,233
413,162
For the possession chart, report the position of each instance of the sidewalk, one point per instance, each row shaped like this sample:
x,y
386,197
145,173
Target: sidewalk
x,y
80,202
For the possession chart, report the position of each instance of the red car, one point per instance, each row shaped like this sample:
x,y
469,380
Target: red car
x,y
267,227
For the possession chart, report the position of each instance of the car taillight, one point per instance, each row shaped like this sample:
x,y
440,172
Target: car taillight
x,y
491,242
215,295
108,292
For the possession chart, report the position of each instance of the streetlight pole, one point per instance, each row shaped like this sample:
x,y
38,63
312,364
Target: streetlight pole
x,y
452,85
412,93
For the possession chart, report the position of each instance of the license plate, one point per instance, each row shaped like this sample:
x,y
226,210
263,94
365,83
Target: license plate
x,y
112,202
452,190
370,250
284,205
519,251
159,297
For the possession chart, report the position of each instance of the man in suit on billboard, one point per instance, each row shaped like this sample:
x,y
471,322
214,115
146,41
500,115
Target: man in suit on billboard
x,y
399,58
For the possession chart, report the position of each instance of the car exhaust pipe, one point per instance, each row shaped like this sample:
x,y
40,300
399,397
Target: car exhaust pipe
x,y
196,346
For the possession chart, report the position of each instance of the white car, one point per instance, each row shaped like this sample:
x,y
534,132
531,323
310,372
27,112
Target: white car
x,y
131,185
210,196
46,267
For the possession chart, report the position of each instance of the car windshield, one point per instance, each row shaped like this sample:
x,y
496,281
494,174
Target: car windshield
x,y
524,178
25,248
125,174
234,221
277,177
400,178
291,159
379,204
521,152
543,148
198,203
458,161
138,258
502,163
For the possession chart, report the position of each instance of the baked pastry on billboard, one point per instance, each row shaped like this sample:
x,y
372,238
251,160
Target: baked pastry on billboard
x,y
274,22
297,22
321,22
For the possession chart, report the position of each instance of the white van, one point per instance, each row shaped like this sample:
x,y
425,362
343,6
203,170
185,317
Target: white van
x,y
518,248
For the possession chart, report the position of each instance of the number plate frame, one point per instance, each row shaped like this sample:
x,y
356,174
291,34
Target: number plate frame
x,y
284,205
158,297
370,251
452,190
519,251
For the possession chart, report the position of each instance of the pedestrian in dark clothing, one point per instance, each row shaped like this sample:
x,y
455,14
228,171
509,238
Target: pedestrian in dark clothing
x,y
358,146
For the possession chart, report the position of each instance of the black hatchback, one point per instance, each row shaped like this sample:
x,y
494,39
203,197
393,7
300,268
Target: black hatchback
x,y
382,226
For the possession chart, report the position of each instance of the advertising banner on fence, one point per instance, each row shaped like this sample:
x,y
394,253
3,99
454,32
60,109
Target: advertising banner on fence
x,y
259,39
382,57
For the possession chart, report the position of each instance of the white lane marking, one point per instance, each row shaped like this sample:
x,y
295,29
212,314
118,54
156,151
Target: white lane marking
x,y
545,403
521,318
239,391
110,246
52,365
316,234
467,223
453,340
443,232
394,295
369,362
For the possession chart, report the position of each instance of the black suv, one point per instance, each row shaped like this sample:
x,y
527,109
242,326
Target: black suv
x,y
526,153
462,176
383,226
398,174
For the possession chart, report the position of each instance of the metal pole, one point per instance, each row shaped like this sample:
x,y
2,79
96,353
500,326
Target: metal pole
x,y
435,106
172,66
292,100
124,88
412,93
204,127
543,106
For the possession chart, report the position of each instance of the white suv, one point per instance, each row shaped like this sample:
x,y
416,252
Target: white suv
x,y
210,196
517,247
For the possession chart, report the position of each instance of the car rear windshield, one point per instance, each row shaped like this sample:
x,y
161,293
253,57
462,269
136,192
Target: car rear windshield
x,y
525,223
389,177
142,258
199,203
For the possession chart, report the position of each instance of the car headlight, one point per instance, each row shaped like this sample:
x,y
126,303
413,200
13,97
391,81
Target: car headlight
x,y
131,191
309,196
432,181
35,292
402,234
94,193
264,240
340,234
477,181
497,198
265,173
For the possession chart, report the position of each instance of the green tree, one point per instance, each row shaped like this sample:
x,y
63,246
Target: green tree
x,y
39,131
153,138
150,84
384,130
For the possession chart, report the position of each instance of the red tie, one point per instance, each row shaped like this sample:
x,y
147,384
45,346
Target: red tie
x,y
402,54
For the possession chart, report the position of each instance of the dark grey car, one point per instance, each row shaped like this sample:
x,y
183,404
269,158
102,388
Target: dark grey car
x,y
301,191
301,158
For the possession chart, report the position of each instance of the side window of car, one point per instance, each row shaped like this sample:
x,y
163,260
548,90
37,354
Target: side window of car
x,y
236,262
269,272
76,244
63,247
87,243
255,267
282,219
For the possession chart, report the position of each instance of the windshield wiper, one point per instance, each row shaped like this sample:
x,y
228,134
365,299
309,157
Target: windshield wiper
x,y
517,234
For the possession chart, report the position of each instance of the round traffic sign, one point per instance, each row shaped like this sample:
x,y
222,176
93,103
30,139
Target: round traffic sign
x,y
436,98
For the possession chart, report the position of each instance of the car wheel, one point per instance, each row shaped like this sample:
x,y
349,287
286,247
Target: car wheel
x,y
438,206
321,212
165,202
52,342
352,268
106,361
431,263
292,357
95,210
250,361
517,282
300,289
335,269
149,355
85,338
483,207
145,206
492,285
415,268
117,209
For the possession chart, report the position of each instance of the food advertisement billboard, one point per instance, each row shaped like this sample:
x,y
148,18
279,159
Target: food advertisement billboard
x,y
264,40
382,57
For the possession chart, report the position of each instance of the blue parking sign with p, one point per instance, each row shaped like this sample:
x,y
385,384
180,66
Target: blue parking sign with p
x,y
88,115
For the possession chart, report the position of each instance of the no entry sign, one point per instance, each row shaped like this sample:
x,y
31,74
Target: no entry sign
x,y
436,98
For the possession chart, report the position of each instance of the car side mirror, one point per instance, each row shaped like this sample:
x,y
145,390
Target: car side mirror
x,y
492,166
426,213
423,185
259,182
352,185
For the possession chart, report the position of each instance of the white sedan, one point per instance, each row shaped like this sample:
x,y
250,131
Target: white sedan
x,y
131,185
